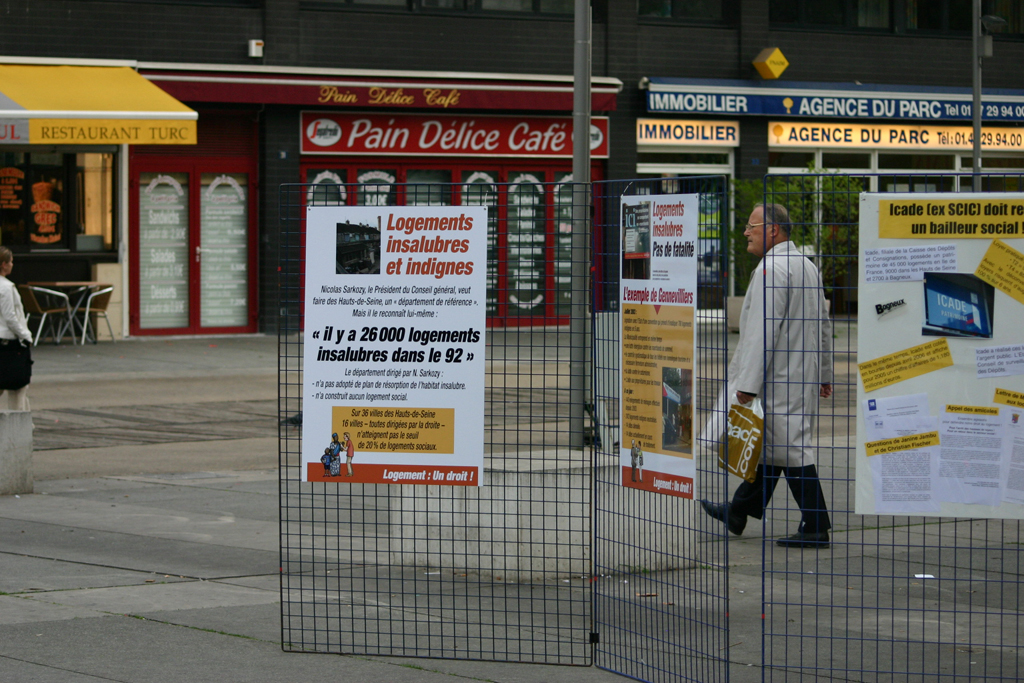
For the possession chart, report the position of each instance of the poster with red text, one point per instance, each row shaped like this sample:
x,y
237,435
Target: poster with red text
x,y
658,300
393,361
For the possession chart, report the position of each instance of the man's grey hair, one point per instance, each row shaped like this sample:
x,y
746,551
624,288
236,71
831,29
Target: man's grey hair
x,y
775,214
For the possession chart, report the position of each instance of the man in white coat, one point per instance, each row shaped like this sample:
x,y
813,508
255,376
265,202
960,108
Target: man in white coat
x,y
784,356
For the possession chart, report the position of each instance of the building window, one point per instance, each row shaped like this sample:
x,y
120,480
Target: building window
x,y
512,6
915,162
686,10
1010,10
953,16
536,6
230,3
51,200
683,158
830,160
845,14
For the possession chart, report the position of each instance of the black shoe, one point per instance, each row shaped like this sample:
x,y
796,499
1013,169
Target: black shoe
x,y
720,511
805,539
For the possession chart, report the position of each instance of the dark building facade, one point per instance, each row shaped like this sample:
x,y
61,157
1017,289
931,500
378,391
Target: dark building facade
x,y
379,92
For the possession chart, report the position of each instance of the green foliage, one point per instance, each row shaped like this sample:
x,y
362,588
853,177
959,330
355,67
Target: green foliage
x,y
746,194
824,213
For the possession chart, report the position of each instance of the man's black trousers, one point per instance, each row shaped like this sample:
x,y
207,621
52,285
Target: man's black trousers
x,y
752,498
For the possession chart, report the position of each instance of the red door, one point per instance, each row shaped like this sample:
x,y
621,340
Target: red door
x,y
192,225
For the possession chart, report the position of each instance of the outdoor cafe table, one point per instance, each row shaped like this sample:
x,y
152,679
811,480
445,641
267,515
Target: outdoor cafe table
x,y
78,292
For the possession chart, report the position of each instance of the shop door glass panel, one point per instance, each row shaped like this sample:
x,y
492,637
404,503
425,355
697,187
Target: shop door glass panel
x,y
526,244
563,243
376,187
163,250
437,193
327,187
223,254
479,188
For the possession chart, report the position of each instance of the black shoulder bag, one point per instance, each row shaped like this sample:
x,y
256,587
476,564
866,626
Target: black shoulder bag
x,y
15,364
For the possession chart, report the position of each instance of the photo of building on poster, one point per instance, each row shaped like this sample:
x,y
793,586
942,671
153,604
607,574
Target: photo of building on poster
x,y
394,345
658,301
940,390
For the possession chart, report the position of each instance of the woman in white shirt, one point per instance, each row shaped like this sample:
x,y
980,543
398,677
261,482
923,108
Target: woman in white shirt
x,y
12,323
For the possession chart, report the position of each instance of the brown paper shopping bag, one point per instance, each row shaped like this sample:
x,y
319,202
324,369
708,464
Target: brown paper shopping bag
x,y
744,439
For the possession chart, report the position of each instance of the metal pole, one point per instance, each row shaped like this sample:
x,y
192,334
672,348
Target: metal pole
x,y
976,83
579,327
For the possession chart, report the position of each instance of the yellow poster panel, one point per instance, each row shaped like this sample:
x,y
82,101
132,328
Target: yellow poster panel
x,y
902,443
906,364
1014,399
376,429
657,378
972,410
1003,268
946,218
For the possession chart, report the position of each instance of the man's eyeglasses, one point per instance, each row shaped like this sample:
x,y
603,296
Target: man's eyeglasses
x,y
749,226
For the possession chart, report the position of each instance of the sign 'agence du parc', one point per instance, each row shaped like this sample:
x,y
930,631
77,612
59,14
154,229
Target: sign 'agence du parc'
x,y
461,136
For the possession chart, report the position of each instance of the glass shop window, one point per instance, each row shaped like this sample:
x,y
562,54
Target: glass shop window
x,y
56,201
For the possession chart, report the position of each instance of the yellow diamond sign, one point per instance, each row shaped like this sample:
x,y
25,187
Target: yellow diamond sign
x,y
770,63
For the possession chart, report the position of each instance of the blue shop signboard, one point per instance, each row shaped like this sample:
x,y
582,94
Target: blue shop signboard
x,y
826,100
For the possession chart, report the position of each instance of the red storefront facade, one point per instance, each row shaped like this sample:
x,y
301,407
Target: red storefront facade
x,y
387,138
518,166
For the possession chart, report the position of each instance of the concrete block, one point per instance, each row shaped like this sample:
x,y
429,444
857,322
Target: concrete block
x,y
534,525
15,452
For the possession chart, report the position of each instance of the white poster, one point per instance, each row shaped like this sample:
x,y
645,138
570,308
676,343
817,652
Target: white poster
x,y
904,461
971,455
394,345
1014,455
658,300
940,298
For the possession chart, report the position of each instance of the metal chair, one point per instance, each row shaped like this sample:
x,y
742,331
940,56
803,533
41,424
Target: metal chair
x,y
53,307
96,303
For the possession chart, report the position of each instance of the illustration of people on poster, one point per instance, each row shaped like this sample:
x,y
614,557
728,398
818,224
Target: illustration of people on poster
x,y
394,340
940,358
658,300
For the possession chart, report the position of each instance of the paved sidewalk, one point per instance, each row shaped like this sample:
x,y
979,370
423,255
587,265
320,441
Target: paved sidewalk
x,y
156,358
149,551
171,578
155,406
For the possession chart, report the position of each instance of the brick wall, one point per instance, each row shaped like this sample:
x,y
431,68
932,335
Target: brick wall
x,y
279,161
144,31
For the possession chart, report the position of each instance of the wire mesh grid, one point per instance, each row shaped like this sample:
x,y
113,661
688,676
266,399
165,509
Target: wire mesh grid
x,y
894,598
660,585
498,572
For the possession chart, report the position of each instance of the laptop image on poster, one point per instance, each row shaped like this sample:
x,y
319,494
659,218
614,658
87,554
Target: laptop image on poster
x,y
957,305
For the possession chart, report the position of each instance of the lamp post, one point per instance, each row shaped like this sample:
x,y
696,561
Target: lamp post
x,y
579,325
981,46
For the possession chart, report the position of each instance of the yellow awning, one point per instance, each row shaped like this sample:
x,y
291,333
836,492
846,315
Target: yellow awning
x,y
89,105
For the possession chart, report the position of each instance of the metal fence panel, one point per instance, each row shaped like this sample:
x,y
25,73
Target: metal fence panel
x,y
895,598
500,572
661,608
